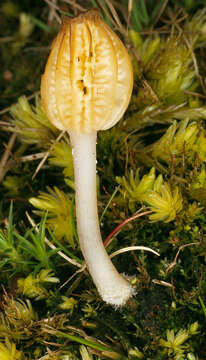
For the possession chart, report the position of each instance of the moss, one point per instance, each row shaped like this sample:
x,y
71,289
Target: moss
x,y
155,156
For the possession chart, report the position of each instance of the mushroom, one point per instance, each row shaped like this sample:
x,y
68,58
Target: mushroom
x,y
86,87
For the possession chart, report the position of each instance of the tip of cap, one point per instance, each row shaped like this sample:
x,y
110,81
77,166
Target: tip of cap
x,y
91,14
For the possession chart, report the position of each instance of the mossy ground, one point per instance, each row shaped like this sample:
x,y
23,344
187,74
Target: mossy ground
x,y
153,160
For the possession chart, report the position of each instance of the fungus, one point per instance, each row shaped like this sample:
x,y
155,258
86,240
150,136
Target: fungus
x,y
86,87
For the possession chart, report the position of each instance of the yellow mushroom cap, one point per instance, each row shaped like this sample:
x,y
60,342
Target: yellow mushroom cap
x,y
88,78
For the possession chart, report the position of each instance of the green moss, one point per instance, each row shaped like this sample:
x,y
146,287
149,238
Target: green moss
x,y
154,159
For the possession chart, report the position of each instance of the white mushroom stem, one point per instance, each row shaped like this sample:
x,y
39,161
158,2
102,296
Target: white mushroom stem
x,y
113,288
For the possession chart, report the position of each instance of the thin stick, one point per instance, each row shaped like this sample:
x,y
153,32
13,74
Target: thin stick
x,y
195,94
6,155
176,256
31,157
7,109
13,162
47,154
72,276
144,81
161,282
129,11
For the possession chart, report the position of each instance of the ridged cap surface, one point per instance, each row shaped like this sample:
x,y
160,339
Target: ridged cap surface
x,y
88,78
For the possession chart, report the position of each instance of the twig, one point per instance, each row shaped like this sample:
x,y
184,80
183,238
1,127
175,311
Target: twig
x,y
176,256
83,267
31,157
127,147
7,109
13,162
6,155
195,94
47,154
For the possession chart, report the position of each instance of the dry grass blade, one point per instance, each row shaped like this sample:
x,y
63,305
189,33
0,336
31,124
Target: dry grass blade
x,y
107,14
162,9
115,16
31,157
161,282
53,11
72,276
131,248
130,5
47,154
75,5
